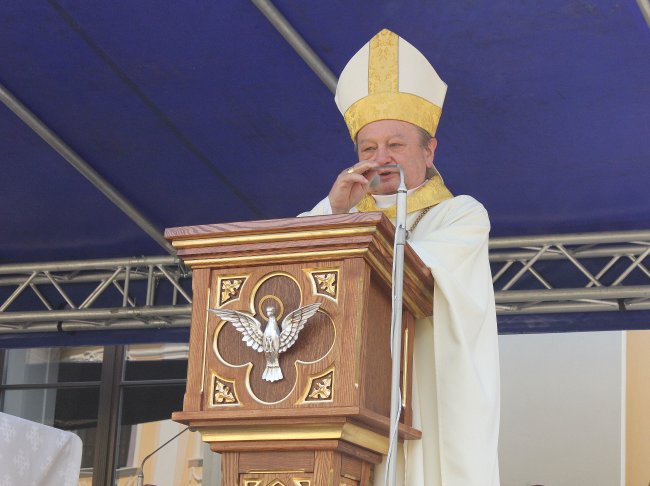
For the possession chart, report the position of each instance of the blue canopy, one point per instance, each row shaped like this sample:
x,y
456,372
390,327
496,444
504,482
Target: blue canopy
x,y
200,112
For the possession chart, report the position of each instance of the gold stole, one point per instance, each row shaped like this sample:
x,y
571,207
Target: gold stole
x,y
429,194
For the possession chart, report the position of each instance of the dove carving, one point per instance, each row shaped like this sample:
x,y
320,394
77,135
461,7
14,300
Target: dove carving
x,y
273,340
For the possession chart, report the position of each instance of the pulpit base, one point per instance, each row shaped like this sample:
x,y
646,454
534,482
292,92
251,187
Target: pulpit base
x,y
296,463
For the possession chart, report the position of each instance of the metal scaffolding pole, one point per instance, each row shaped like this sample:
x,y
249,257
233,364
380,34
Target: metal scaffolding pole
x,y
296,41
33,122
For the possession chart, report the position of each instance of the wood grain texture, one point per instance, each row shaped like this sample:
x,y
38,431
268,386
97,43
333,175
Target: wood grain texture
x,y
276,460
350,467
230,469
314,341
379,423
376,372
272,225
200,286
276,446
315,350
364,455
327,467
321,462
375,234
348,338
310,446
206,417
275,479
366,474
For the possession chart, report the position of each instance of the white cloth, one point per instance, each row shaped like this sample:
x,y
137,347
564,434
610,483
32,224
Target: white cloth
x,y
456,361
37,455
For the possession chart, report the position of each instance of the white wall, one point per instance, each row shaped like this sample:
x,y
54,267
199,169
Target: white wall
x,y
562,409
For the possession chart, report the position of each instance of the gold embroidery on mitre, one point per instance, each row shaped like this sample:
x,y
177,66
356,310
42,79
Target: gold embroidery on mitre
x,y
384,100
429,194
392,106
383,76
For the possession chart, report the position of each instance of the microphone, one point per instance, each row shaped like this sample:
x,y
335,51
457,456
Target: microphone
x,y
374,182
390,476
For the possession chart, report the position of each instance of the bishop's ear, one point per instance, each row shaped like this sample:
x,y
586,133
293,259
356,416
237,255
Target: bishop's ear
x,y
431,151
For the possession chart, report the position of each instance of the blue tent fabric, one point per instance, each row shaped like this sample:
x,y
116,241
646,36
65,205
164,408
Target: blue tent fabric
x,y
574,322
200,112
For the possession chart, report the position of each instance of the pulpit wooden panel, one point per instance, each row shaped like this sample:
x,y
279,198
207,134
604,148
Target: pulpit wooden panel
x,y
326,420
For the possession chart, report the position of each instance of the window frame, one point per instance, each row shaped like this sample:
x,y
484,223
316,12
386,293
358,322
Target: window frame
x,y
111,387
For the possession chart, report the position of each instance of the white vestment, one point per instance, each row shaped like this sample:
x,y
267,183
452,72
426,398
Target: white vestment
x,y
456,360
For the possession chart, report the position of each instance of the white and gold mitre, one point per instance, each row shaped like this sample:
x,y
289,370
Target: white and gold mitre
x,y
389,79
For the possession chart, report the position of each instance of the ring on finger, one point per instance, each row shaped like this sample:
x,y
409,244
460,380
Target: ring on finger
x,y
351,170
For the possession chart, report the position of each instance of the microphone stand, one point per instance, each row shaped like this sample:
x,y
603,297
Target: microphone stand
x,y
141,471
396,329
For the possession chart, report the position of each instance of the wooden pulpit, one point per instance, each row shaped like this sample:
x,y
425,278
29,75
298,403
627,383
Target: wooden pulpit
x,y
325,422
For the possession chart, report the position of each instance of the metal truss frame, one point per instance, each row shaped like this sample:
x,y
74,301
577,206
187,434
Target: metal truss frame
x,y
604,271
595,272
95,294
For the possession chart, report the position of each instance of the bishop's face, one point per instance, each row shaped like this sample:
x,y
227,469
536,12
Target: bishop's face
x,y
395,142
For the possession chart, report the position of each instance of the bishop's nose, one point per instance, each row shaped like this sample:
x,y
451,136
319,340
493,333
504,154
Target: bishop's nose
x,y
382,155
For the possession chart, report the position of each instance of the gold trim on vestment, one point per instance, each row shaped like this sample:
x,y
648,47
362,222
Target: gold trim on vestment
x,y
429,194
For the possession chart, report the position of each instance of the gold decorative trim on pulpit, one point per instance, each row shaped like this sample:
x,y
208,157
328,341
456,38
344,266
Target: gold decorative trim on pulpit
x,y
346,431
273,258
279,312
277,471
280,309
267,237
258,482
230,288
320,388
222,392
324,282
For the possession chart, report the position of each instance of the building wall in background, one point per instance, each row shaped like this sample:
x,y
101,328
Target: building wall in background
x,y
562,409
638,409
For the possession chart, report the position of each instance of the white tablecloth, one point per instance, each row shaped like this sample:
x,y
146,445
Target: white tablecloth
x,y
33,454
